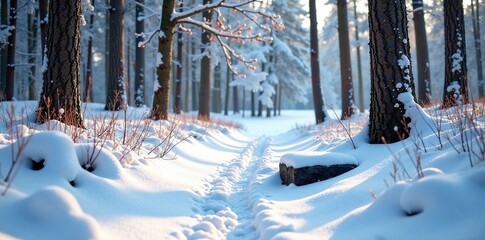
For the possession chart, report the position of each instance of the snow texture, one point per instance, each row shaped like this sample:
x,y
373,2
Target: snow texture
x,y
223,183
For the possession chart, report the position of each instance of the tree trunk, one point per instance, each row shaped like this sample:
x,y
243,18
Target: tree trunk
x,y
205,72
279,100
348,106
128,69
275,99
277,95
391,72
10,78
193,75
228,87
187,77
60,98
456,86
32,48
116,96
44,23
253,109
260,104
178,81
315,65
216,98
478,47
164,61
107,44
359,62
235,99
88,79
424,86
244,102
3,51
139,55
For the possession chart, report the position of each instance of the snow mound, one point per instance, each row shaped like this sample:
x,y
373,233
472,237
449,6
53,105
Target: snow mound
x,y
440,206
104,162
38,158
305,159
34,217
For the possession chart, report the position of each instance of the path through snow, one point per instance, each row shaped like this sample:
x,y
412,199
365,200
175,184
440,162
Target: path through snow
x,y
228,199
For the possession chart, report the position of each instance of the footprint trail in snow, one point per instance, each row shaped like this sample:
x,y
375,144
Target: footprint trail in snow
x,y
229,199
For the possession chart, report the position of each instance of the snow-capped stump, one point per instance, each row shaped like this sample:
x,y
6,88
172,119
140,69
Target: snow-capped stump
x,y
309,167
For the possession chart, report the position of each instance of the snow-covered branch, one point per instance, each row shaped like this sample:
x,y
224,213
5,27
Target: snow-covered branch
x,y
176,16
222,31
146,39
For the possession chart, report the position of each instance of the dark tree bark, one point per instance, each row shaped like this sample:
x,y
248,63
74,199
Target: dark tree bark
x,y
193,75
178,81
216,96
391,72
44,24
277,89
187,78
116,95
139,55
243,103
279,100
32,48
348,106
178,78
165,46
235,99
3,51
478,47
88,79
205,71
275,100
424,86
107,45
316,85
260,104
456,85
128,69
227,91
359,61
10,78
60,98
253,109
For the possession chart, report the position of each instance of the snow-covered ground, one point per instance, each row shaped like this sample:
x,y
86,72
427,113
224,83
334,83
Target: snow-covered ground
x,y
223,183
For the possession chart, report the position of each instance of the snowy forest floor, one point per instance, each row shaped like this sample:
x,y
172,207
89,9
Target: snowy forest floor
x,y
186,179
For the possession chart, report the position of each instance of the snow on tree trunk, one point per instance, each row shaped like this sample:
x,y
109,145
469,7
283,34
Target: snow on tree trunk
x,y
32,48
44,24
12,24
424,86
391,72
359,61
456,85
60,98
139,55
116,96
164,62
348,106
3,51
